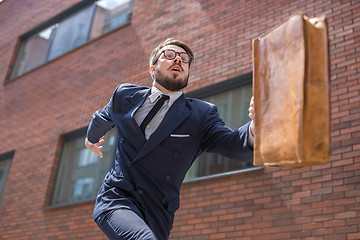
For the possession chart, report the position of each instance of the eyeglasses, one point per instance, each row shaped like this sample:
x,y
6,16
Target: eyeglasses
x,y
171,54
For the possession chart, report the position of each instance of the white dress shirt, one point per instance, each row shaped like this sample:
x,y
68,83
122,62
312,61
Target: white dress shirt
x,y
147,106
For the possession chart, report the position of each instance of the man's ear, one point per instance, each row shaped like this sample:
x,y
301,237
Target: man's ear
x,y
152,70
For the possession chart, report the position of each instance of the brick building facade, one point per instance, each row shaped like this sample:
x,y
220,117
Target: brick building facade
x,y
44,105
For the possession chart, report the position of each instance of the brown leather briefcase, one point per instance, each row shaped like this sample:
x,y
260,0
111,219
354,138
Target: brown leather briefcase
x,y
291,94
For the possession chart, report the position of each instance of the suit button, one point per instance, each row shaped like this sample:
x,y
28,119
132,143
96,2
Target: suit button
x,y
121,140
176,154
141,192
168,178
164,202
129,164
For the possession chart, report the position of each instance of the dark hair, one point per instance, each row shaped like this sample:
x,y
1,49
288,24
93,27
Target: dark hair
x,y
155,54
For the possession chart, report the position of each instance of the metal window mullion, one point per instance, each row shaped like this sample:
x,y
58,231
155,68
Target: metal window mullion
x,y
91,24
51,41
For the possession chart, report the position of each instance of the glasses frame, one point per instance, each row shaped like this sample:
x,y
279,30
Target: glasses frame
x,y
176,53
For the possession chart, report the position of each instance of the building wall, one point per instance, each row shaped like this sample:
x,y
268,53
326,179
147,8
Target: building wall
x,y
319,202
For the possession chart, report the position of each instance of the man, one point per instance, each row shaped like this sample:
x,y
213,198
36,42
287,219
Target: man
x,y
140,194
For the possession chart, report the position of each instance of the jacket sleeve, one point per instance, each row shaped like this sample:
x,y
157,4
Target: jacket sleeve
x,y
102,121
219,138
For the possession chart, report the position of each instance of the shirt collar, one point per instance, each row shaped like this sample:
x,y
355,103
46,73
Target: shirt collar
x,y
155,93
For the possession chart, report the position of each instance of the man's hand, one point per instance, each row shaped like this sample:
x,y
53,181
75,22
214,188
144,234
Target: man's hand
x,y
252,116
95,147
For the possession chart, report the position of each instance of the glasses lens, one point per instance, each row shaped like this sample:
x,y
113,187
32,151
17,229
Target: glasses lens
x,y
185,57
169,54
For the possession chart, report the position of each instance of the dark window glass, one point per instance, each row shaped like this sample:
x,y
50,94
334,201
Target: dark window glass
x,y
82,25
71,33
233,107
5,163
81,172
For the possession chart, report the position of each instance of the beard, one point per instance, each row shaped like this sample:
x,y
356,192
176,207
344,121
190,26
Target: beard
x,y
173,84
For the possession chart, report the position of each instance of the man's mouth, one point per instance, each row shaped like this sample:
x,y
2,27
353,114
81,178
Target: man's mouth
x,y
176,68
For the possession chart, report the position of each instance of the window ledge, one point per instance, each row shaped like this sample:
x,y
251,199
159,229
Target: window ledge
x,y
70,204
219,175
214,176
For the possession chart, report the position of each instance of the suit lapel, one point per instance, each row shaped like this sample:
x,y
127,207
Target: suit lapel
x,y
173,118
132,103
130,127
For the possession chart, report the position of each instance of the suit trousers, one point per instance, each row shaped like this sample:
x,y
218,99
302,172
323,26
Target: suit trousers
x,y
124,224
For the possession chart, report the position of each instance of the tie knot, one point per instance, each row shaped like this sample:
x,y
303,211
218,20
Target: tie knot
x,y
164,97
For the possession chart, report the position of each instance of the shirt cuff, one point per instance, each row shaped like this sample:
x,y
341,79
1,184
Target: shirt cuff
x,y
250,138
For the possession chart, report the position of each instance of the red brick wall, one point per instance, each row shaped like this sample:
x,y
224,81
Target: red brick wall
x,y
320,202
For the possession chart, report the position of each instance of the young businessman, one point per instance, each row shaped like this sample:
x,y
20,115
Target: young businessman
x,y
160,134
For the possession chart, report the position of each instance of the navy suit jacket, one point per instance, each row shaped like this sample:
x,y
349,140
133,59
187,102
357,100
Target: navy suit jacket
x,y
147,174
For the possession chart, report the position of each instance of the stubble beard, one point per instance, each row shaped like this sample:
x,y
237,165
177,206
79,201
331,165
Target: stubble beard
x,y
174,83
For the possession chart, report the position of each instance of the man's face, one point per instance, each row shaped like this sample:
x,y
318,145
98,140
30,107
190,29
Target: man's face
x,y
172,74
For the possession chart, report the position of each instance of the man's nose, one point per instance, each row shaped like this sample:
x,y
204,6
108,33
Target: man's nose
x,y
177,59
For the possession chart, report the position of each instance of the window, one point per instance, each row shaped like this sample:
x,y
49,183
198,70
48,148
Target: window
x,y
81,172
5,162
78,25
232,99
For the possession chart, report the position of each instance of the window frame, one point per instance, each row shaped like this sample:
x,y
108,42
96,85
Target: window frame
x,y
12,75
57,182
212,90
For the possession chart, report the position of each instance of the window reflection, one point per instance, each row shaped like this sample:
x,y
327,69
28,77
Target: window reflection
x,y
109,15
82,26
71,33
4,171
81,172
33,52
83,188
86,157
233,109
